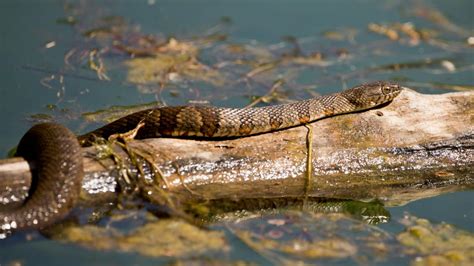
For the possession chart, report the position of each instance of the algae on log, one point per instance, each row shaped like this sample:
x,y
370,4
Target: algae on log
x,y
417,146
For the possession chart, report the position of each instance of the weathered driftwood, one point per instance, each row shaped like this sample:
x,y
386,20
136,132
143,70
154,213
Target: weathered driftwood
x,y
417,146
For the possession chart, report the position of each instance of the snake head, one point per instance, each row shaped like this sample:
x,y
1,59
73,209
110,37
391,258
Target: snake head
x,y
372,94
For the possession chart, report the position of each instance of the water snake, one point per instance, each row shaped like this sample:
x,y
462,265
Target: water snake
x,y
56,152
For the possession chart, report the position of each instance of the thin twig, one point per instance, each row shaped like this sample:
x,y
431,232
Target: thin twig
x,y
262,68
309,160
274,87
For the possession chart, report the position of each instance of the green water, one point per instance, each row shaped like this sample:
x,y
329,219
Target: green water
x,y
29,87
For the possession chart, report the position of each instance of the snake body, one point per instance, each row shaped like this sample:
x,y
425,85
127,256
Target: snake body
x,y
56,185
215,122
58,159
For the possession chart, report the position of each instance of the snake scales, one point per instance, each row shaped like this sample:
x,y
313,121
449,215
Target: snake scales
x,y
56,151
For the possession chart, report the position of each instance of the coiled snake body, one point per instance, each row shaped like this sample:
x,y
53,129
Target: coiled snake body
x,y
56,151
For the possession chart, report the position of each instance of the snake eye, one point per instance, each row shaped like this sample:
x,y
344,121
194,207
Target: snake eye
x,y
386,90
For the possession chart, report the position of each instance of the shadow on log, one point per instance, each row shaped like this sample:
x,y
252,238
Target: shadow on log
x,y
417,146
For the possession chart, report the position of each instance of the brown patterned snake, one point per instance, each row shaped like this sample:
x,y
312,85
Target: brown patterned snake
x,y
57,156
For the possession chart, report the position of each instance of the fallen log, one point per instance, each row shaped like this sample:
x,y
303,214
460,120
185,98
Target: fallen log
x,y
419,145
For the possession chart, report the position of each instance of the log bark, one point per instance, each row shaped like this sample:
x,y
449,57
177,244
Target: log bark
x,y
417,146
